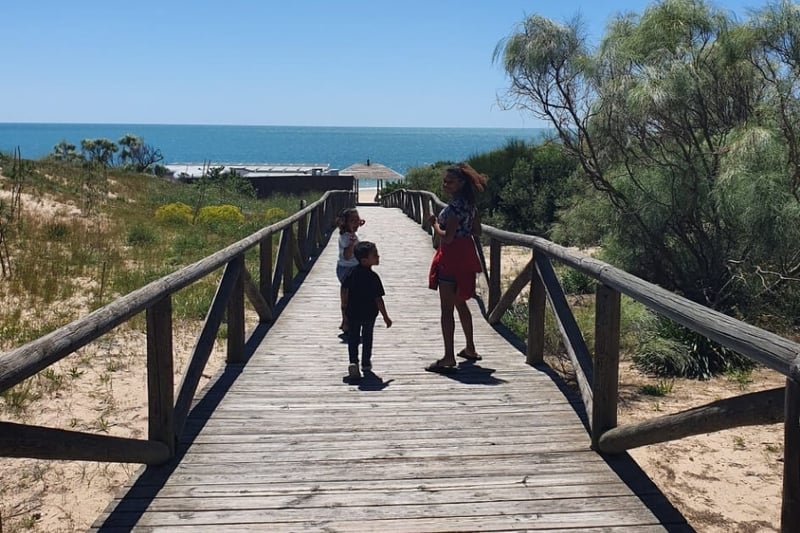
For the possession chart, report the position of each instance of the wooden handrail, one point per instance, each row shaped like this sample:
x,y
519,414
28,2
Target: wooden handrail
x,y
598,376
166,417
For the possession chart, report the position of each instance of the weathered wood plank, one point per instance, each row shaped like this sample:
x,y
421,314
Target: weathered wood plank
x,y
747,410
17,440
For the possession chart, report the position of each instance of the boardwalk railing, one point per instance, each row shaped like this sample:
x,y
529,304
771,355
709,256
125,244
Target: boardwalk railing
x,y
301,237
598,374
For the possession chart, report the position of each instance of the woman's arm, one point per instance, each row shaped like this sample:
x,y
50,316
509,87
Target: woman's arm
x,y
447,234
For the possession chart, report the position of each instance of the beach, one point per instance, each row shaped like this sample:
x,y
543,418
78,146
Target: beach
x,y
366,195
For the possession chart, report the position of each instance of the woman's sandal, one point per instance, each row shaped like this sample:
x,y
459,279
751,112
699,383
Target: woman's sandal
x,y
440,368
468,357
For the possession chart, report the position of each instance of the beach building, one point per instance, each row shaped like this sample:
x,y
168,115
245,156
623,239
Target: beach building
x,y
374,172
268,178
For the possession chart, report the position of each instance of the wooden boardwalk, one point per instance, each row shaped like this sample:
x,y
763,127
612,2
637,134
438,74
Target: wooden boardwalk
x,y
285,443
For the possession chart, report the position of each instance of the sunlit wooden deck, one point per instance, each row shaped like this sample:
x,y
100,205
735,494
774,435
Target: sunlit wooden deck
x,y
285,443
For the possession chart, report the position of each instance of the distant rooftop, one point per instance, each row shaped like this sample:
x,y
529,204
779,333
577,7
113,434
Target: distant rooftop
x,y
372,171
251,170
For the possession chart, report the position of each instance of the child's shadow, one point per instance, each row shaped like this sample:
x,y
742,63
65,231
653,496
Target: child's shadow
x,y
369,382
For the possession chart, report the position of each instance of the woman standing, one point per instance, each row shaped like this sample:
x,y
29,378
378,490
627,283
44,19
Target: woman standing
x,y
456,261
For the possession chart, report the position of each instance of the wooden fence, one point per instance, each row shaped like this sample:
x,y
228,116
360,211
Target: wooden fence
x,y
301,238
598,372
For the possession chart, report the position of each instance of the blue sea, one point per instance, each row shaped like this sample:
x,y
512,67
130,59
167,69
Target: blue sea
x,y
339,147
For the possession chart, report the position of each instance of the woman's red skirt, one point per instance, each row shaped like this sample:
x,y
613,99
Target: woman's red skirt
x,y
456,261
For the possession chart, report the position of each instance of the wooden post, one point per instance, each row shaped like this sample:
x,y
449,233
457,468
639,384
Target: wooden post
x,y
426,215
536,310
605,387
302,235
236,317
790,507
160,374
495,248
265,270
288,257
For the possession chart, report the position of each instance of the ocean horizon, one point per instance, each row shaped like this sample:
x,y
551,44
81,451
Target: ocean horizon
x,y
399,148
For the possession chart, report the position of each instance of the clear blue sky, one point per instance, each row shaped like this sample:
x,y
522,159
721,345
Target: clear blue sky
x,y
265,62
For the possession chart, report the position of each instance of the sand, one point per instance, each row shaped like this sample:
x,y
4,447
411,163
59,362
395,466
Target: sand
x,y
367,195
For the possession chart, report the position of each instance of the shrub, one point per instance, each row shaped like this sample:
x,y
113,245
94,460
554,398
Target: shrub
x,y
575,282
220,215
273,215
176,213
139,235
668,349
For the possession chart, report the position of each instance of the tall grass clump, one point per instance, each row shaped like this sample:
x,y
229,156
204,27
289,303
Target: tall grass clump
x,y
140,235
669,349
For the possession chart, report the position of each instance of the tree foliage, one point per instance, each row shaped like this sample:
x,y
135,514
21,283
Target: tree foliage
x,y
526,186
684,122
99,151
136,155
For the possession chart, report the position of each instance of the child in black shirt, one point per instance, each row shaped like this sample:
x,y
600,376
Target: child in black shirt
x,y
362,301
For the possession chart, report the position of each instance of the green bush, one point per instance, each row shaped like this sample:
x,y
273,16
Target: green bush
x,y
575,282
220,215
668,349
273,215
177,213
140,235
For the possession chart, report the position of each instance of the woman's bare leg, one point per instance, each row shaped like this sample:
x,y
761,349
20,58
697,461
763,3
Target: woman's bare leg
x,y
447,299
465,317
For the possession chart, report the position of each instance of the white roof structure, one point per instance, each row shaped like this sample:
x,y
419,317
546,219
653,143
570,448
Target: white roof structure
x,y
251,170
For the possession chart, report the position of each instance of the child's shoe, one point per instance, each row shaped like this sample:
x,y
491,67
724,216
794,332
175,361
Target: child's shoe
x,y
352,371
366,369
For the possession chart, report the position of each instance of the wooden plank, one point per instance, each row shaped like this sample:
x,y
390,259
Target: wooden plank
x,y
432,518
18,440
160,374
235,316
755,408
605,386
536,316
570,332
205,343
790,507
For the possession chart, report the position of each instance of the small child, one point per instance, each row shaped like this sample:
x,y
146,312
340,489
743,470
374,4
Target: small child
x,y
349,222
363,300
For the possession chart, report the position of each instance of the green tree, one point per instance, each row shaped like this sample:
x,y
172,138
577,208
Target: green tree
x,y
99,150
527,184
136,155
98,155
65,152
674,121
